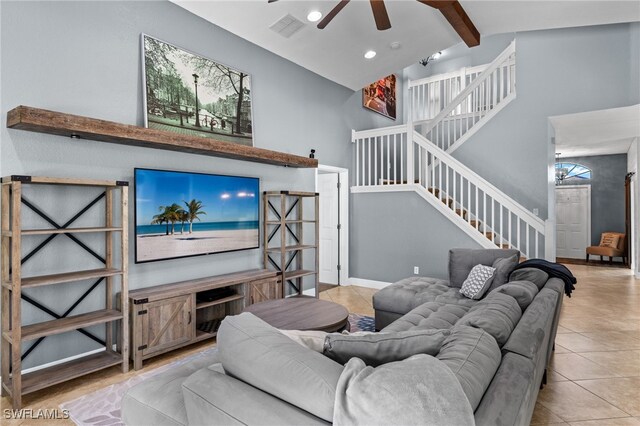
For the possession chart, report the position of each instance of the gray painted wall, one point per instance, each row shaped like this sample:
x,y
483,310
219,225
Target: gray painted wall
x,y
556,74
634,48
396,231
607,192
84,58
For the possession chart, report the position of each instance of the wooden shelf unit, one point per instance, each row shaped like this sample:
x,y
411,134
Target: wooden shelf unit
x,y
14,332
284,237
166,317
79,127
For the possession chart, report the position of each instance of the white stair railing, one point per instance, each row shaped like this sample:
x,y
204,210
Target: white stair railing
x,y
388,160
474,105
431,95
381,157
492,214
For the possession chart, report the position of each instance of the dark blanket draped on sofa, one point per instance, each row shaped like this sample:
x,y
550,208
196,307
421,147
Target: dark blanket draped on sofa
x,y
554,270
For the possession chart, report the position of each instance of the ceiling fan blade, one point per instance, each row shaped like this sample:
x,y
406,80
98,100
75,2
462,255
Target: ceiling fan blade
x,y
380,15
332,14
458,18
272,1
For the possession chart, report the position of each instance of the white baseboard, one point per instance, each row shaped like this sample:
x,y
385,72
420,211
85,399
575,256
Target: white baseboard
x,y
367,283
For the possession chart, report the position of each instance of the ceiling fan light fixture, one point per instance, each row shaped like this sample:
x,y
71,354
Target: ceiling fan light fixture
x,y
370,54
314,16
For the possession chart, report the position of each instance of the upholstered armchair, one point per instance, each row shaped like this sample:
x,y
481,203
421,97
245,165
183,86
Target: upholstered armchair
x,y
612,244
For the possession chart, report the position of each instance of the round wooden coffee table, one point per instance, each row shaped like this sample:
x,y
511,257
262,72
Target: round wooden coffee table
x,y
302,313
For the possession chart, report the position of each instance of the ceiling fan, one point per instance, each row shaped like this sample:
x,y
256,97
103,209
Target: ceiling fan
x,y
451,9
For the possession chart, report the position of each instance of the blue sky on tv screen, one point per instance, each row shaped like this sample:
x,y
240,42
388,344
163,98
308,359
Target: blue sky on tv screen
x,y
224,198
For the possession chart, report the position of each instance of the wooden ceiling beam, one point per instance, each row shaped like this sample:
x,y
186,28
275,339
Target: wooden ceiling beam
x,y
455,14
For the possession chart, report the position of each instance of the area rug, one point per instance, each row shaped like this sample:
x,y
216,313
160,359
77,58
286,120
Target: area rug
x,y
102,407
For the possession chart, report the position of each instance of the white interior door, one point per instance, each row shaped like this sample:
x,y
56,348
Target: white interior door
x,y
329,232
573,208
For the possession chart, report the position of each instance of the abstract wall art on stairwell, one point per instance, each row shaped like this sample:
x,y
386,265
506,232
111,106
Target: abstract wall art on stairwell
x,y
380,96
194,96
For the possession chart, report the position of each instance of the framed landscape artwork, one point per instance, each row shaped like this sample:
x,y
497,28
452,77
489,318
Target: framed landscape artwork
x,y
195,96
381,96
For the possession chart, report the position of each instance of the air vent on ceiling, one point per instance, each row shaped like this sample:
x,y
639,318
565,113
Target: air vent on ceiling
x,y
287,26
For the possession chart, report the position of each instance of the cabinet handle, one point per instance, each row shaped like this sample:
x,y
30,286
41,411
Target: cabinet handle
x,y
189,322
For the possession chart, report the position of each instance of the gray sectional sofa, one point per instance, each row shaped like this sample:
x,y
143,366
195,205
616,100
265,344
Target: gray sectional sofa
x,y
440,358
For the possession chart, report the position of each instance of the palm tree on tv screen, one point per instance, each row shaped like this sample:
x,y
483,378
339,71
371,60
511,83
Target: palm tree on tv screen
x,y
173,215
183,216
161,218
194,210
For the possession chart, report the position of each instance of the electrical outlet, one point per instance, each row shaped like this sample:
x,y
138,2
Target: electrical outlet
x,y
536,212
416,270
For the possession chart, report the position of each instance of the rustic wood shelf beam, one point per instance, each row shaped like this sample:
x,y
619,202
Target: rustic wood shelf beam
x,y
79,127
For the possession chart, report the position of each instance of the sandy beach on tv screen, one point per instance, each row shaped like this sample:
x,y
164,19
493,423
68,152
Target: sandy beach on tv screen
x,y
161,246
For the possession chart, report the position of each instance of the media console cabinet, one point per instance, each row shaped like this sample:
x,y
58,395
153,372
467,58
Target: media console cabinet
x,y
170,316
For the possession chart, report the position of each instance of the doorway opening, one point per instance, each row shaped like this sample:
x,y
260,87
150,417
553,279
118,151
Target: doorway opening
x,y
332,184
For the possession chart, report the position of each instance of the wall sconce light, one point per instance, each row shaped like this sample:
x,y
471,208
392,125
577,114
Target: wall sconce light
x,y
425,62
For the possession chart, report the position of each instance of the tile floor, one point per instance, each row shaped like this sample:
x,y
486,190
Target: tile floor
x,y
595,370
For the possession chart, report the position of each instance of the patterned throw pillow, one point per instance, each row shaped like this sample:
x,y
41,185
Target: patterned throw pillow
x,y
478,281
609,240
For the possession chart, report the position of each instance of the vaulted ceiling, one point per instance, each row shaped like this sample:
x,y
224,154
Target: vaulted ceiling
x,y
337,52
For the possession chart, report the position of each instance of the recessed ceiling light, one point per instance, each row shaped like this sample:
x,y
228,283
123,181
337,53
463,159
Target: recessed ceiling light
x,y
395,45
370,54
314,16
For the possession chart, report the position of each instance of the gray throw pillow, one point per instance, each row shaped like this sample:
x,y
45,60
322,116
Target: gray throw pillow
x,y
474,357
534,275
478,281
420,390
380,348
504,267
258,354
522,291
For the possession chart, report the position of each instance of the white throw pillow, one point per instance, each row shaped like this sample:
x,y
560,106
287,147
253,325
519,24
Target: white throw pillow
x,y
478,281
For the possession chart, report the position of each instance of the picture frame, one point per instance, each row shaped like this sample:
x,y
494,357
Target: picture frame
x,y
189,94
380,96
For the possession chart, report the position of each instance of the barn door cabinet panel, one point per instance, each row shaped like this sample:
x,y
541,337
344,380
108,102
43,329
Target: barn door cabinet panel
x,y
170,316
262,290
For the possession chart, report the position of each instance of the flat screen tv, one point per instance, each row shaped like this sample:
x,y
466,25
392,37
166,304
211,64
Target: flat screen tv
x,y
182,214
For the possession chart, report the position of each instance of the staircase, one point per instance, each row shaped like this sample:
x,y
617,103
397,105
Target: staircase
x,y
445,111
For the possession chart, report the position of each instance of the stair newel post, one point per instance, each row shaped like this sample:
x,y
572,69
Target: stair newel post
x,y
410,161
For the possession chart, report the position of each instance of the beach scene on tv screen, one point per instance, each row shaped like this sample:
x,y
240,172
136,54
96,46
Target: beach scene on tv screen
x,y
181,214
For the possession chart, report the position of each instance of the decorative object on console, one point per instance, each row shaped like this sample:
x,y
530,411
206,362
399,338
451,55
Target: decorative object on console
x,y
381,96
187,93
181,214
115,259
284,238
478,281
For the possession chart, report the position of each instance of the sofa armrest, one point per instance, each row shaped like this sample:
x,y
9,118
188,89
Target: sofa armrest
x,y
212,397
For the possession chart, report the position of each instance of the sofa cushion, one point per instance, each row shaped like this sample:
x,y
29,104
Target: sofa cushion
x,y
462,260
473,356
258,354
497,314
534,329
522,291
406,294
419,390
213,398
380,348
158,400
478,281
534,275
428,316
511,390
504,268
